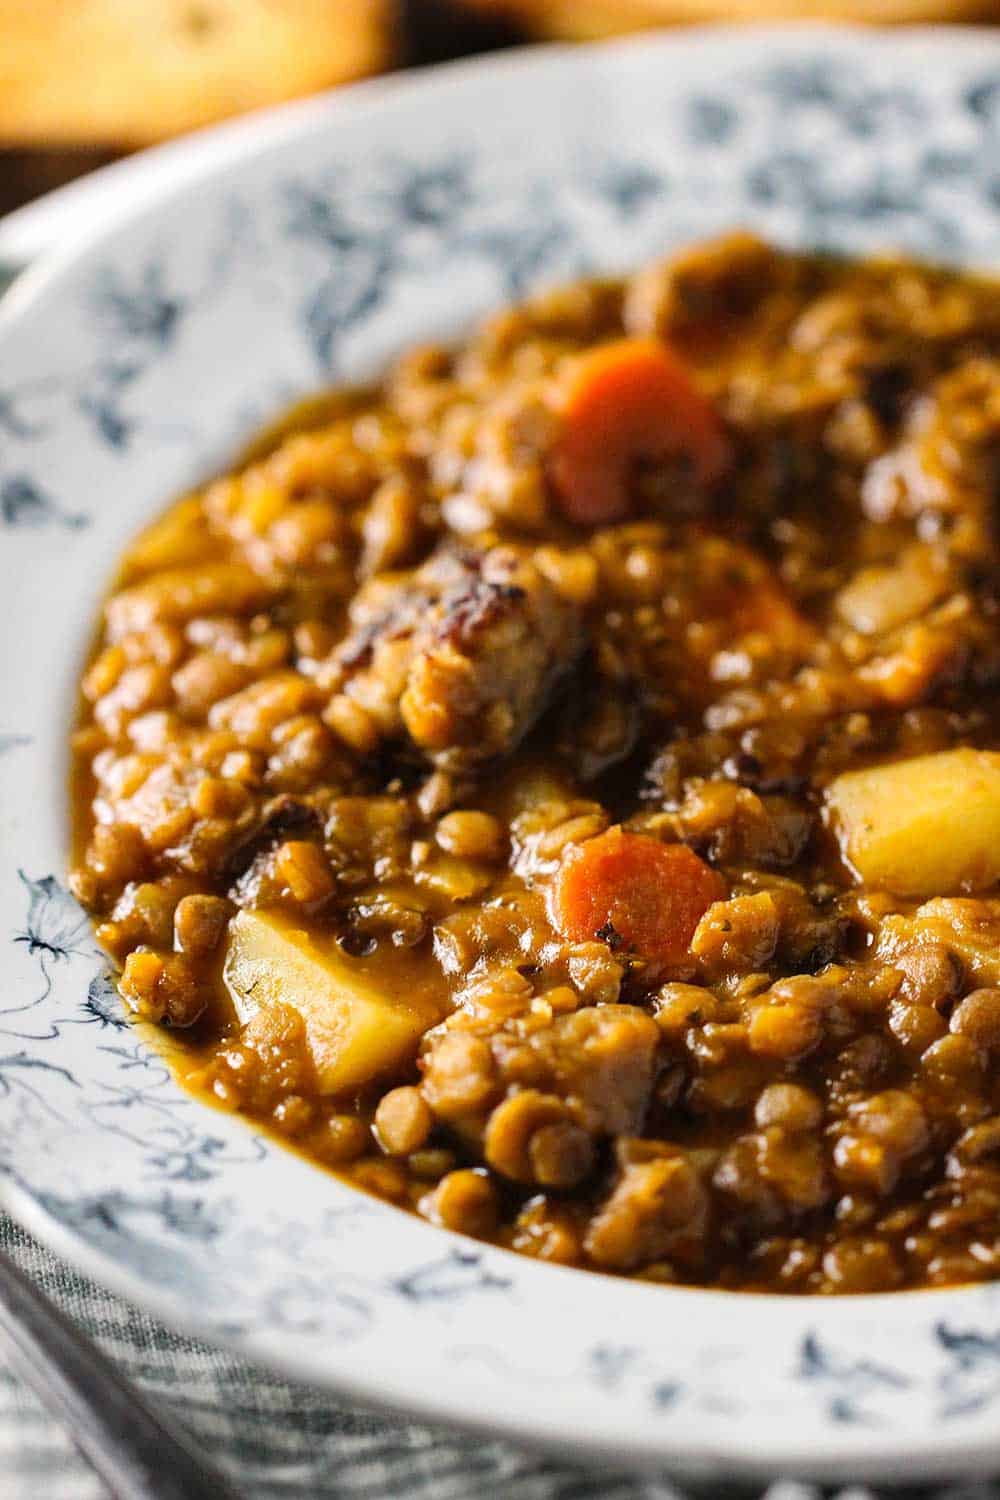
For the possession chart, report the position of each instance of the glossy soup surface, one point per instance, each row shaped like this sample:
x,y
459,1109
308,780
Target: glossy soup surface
x,y
559,788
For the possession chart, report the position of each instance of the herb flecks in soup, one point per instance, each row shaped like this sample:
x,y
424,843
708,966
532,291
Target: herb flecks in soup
x,y
560,787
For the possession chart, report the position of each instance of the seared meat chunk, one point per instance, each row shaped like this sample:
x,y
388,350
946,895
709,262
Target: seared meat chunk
x,y
943,471
461,656
599,1058
657,1209
540,1097
717,282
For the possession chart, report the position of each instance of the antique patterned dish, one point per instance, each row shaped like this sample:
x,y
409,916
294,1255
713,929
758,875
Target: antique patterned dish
x,y
136,365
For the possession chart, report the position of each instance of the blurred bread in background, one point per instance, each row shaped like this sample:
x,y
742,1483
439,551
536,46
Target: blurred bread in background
x,y
579,19
129,72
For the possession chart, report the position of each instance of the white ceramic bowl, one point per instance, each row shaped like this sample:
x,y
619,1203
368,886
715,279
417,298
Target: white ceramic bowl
x,y
133,364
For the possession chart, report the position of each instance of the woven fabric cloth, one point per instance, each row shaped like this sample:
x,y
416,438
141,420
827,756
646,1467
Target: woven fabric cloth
x,y
274,1438
277,1439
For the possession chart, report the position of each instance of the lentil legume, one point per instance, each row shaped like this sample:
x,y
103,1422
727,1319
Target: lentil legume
x,y
558,788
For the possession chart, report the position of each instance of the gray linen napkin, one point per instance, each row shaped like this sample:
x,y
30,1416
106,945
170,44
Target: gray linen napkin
x,y
275,1438
278,1440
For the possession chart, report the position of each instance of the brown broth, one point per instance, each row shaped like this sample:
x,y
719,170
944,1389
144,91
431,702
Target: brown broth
x,y
364,718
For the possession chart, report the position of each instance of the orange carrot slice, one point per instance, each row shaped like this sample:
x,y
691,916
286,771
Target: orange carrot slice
x,y
625,402
632,891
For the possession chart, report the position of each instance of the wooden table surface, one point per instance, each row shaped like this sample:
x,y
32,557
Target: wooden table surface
x,y
430,31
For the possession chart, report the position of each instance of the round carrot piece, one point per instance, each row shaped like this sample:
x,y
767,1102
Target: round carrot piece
x,y
625,402
635,893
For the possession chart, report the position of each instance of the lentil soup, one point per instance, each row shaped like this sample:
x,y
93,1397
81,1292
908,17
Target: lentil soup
x,y
559,788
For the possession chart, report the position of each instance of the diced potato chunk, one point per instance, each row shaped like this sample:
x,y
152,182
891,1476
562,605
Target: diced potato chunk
x,y
923,827
355,1031
880,599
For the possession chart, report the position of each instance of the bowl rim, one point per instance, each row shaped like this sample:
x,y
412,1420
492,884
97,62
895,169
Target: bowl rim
x,y
209,148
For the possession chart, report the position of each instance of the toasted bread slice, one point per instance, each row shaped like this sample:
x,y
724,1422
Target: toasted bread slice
x,y
583,19
127,72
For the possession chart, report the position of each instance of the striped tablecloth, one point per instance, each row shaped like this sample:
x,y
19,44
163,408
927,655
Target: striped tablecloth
x,y
276,1439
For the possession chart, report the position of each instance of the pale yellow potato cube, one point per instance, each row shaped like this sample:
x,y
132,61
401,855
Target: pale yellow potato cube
x,y
923,827
355,1031
880,599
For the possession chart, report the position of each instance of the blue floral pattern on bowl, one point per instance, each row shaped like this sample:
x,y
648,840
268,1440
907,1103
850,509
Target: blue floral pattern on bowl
x,y
138,364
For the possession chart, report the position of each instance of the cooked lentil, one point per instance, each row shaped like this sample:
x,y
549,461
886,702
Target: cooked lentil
x,y
559,788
